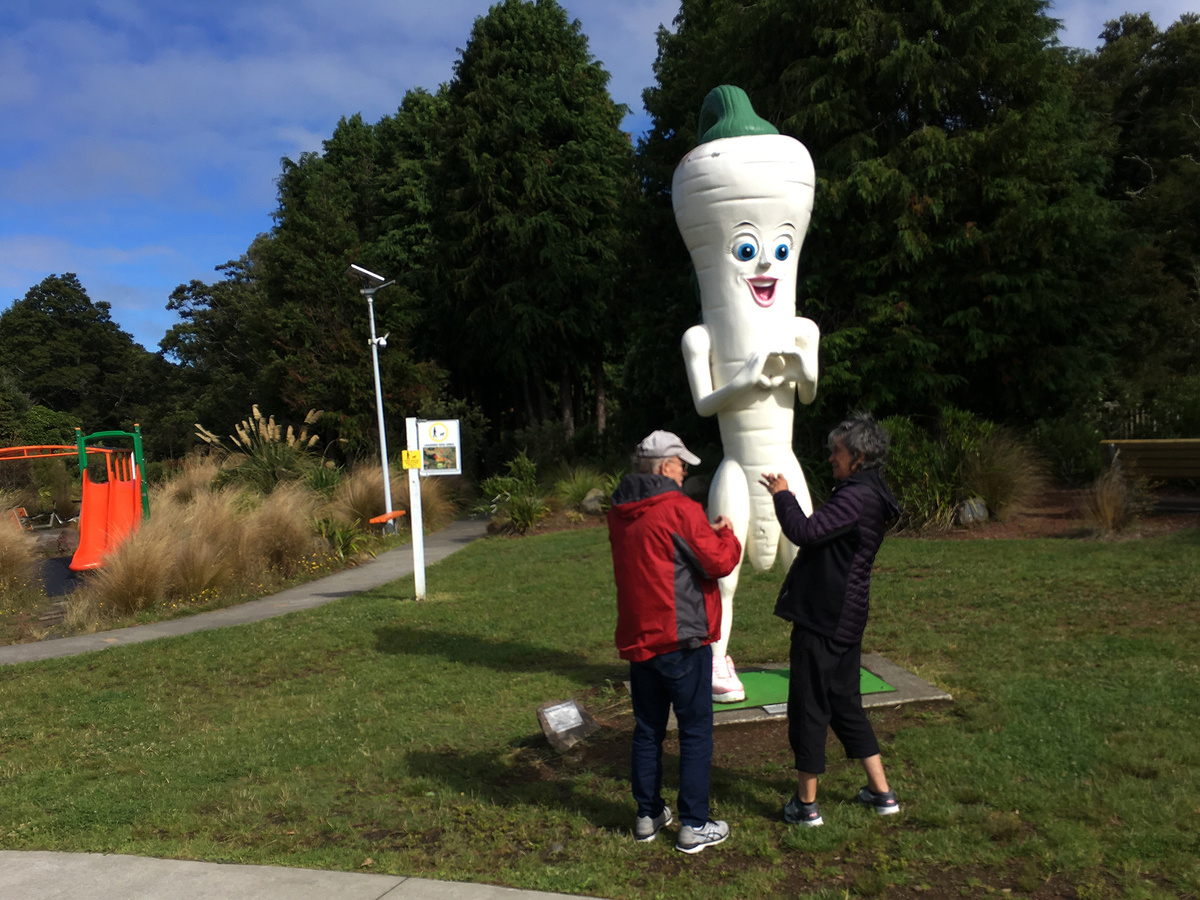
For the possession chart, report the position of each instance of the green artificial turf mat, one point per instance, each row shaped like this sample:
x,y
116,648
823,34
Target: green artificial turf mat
x,y
765,688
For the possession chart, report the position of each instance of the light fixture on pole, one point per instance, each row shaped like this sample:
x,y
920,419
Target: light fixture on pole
x,y
370,284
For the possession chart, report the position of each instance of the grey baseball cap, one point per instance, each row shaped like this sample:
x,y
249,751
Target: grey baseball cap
x,y
664,444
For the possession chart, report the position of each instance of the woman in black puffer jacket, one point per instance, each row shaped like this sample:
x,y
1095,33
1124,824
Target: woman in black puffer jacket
x,y
826,597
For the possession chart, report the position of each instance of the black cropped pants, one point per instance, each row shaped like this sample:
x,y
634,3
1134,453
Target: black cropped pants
x,y
824,690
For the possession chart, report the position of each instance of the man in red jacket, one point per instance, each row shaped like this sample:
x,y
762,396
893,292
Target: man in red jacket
x,y
667,559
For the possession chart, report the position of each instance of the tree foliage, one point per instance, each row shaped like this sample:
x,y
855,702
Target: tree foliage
x,y
533,188
286,325
64,353
1146,84
958,227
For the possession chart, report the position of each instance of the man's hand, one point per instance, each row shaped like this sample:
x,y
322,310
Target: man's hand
x,y
773,483
721,524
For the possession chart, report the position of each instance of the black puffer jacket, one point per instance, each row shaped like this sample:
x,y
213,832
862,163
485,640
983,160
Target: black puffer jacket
x,y
827,590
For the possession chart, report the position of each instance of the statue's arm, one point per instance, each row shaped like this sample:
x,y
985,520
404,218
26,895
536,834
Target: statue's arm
x,y
697,359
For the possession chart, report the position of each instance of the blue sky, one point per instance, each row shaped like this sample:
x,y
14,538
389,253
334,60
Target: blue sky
x,y
141,138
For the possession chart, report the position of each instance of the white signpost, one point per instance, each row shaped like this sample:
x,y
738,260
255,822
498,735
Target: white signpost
x,y
434,448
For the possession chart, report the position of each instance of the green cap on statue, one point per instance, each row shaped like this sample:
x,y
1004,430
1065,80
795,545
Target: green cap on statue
x,y
726,113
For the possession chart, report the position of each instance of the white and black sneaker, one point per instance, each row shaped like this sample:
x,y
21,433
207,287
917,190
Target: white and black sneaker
x,y
797,812
693,840
646,828
885,804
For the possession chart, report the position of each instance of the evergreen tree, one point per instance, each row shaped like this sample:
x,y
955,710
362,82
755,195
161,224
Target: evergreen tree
x,y
530,229
958,229
66,354
1146,83
286,326
221,345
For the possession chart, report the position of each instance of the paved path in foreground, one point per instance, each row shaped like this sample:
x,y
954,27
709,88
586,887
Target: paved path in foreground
x,y
44,875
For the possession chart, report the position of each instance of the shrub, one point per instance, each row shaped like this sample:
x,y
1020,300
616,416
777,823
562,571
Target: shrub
x,y
56,486
323,478
923,474
136,576
933,471
1071,448
514,501
345,541
207,558
192,550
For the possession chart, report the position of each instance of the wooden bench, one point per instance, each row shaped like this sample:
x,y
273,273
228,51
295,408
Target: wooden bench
x,y
1178,458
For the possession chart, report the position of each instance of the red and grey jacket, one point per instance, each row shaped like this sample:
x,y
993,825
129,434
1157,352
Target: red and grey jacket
x,y
666,559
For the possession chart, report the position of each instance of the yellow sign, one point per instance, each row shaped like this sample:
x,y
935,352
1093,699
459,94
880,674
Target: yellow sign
x,y
412,459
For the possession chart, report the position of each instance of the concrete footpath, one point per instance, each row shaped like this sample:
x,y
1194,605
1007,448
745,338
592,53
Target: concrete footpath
x,y
43,875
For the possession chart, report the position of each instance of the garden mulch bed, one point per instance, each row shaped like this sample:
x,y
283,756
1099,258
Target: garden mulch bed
x,y
1059,513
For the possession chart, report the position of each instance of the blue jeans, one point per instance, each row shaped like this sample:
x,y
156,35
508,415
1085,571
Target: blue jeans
x,y
681,679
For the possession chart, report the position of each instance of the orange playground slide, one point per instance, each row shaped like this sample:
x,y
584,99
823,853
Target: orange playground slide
x,y
110,511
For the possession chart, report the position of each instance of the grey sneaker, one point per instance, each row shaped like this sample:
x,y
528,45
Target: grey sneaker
x,y
693,840
885,804
797,812
646,828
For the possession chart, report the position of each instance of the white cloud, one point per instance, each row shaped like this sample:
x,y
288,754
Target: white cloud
x,y
142,137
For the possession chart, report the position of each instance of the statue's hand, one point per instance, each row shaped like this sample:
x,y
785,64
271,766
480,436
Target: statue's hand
x,y
751,372
799,364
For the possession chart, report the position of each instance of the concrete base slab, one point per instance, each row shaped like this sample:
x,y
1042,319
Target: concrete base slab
x,y
908,689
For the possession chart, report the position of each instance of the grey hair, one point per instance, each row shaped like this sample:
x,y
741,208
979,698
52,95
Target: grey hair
x,y
646,465
860,433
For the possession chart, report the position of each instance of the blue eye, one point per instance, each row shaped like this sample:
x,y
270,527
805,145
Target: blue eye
x,y
745,251
782,251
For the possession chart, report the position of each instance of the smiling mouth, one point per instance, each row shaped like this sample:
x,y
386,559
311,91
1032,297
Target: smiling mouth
x,y
763,290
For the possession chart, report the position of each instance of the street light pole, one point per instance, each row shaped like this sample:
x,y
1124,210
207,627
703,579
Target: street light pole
x,y
377,342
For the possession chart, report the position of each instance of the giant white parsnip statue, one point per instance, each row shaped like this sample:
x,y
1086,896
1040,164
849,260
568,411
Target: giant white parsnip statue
x,y
742,201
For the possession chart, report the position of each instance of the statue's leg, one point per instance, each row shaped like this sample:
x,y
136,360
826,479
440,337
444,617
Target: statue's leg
x,y
794,473
729,496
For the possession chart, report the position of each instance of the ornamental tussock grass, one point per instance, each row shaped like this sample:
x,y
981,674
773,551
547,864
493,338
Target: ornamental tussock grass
x,y
266,454
1114,501
217,543
1005,471
195,477
279,533
16,559
440,498
358,497
134,577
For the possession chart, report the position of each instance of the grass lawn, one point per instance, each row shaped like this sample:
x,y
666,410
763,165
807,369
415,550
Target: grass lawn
x,y
383,735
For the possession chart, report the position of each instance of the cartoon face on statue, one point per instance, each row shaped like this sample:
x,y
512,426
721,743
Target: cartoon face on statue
x,y
743,199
